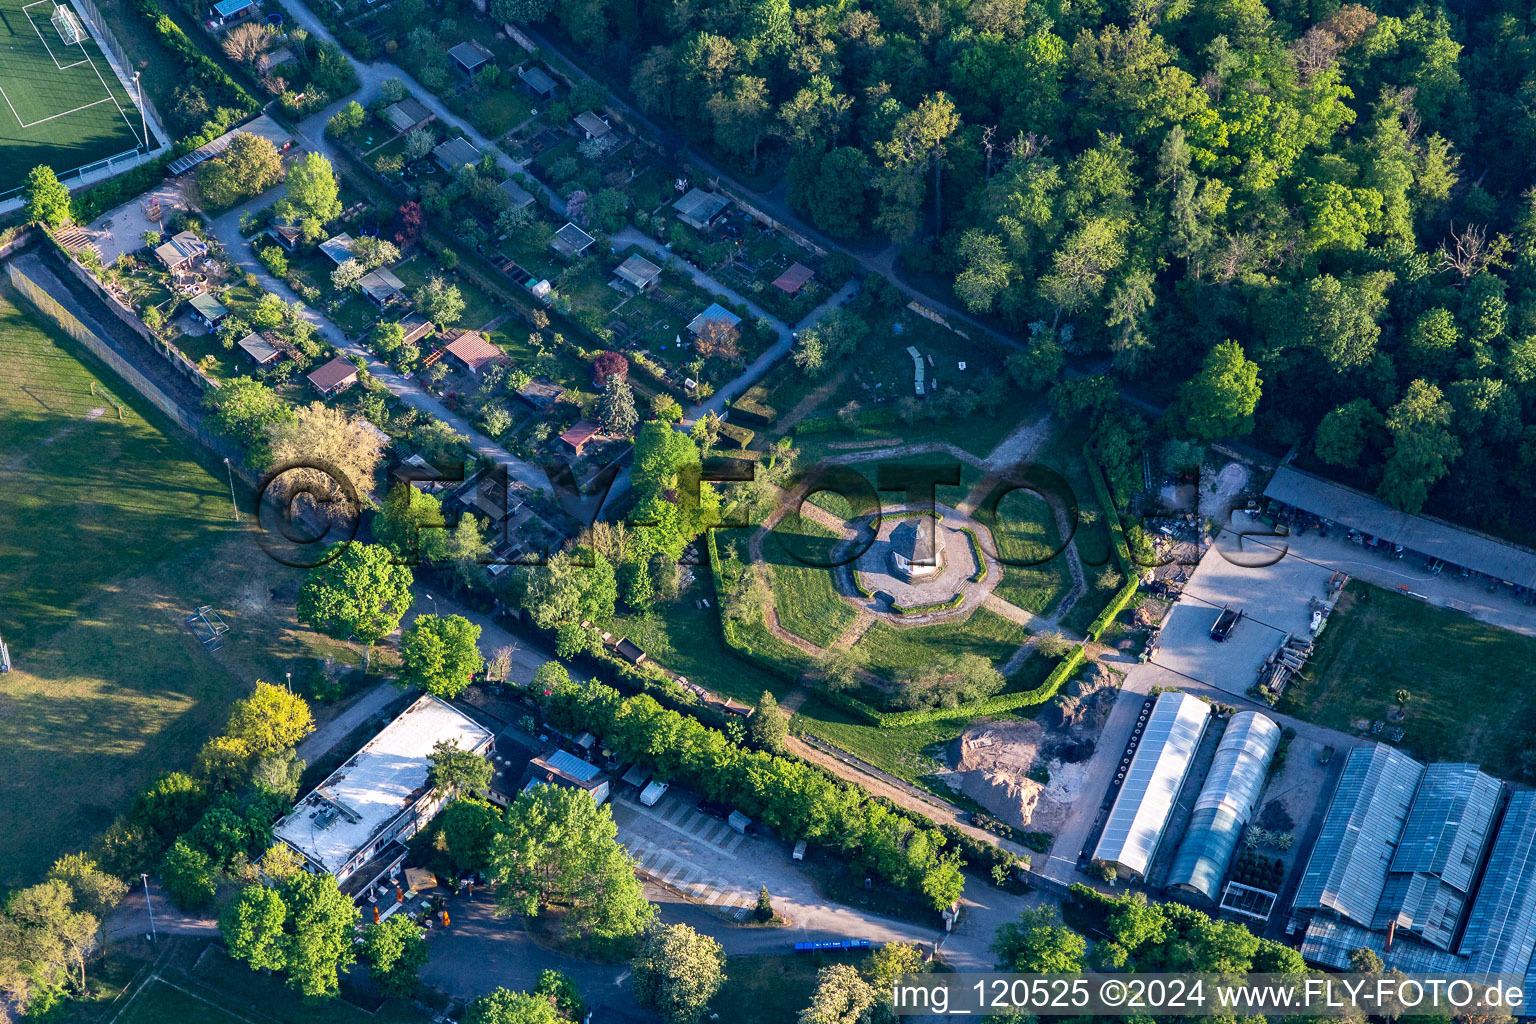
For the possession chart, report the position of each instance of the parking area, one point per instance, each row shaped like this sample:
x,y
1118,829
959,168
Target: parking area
x,y
691,852
1275,592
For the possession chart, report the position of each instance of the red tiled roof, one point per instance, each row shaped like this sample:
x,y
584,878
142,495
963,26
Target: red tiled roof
x,y
332,373
793,279
473,350
581,433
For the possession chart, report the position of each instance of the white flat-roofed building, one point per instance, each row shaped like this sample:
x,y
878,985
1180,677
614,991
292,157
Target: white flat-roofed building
x,y
354,824
1158,769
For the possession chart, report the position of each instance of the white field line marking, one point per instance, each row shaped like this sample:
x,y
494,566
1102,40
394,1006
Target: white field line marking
x,y
27,10
108,98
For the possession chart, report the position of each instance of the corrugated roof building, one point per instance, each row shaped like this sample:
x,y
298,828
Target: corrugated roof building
x,y
1438,855
1348,867
1500,936
1226,803
1458,546
1152,783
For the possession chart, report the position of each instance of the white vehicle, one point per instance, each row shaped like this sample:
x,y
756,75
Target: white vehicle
x,y
652,793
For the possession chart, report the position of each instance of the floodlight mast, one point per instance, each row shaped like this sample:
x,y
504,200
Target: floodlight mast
x,y
143,115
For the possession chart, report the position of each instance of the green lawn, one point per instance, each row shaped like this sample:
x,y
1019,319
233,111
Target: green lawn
x,y
771,989
804,595
899,469
687,640
195,981
892,652
909,752
161,1001
1024,529
110,534
1468,701
479,307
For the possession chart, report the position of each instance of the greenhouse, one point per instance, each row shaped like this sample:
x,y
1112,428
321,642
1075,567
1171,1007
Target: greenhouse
x,y
1226,803
1348,868
1152,783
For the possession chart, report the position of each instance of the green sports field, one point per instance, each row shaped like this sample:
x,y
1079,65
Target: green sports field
x,y
60,103
111,532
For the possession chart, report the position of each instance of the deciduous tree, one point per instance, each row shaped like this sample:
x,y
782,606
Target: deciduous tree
x,y
677,972
360,593
441,654
47,198
557,846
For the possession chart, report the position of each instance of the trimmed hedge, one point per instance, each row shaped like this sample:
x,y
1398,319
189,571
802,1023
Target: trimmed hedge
x,y
937,606
752,408
858,584
114,192
740,436
1124,596
981,561
999,705
1107,509
222,91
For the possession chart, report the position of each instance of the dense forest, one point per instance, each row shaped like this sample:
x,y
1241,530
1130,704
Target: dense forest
x,y
1342,191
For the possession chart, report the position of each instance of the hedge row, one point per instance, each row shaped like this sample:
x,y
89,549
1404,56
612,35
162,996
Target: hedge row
x,y
728,632
1107,508
202,71
981,561
937,606
740,436
1124,596
752,407
999,705
892,517
858,584
114,192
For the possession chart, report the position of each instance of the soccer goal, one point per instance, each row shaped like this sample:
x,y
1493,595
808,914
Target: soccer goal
x,y
69,28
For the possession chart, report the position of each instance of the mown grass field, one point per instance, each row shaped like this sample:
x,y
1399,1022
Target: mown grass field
x,y
688,641
771,989
1465,679
1024,530
110,534
805,596
195,983
893,652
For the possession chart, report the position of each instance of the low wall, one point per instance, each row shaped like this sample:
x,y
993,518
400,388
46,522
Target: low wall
x,y
36,294
126,316
37,284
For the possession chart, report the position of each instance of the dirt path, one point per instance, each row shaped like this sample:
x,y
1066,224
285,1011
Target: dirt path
x,y
856,629
930,807
809,403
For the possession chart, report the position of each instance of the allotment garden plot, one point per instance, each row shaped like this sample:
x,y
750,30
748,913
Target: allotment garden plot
x,y
62,103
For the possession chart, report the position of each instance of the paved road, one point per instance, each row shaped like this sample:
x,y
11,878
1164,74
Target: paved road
x,y
759,366
1449,590
130,918
226,228
373,75
319,743
493,636
876,256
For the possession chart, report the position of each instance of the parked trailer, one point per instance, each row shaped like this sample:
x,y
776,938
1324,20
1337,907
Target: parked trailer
x,y
1225,623
831,945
